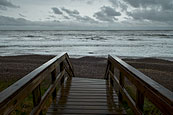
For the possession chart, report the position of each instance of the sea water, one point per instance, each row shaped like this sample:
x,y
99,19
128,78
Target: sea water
x,y
158,44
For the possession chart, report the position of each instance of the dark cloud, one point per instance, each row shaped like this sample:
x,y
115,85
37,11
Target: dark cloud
x,y
151,10
119,4
22,15
10,23
3,8
107,14
164,4
5,3
66,17
56,10
153,15
70,12
85,19
76,15
13,21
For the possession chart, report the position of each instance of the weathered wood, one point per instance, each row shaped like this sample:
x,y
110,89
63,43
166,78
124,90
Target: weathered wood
x,y
139,99
36,95
146,87
121,81
53,76
14,95
126,96
70,65
86,100
69,72
62,67
106,71
49,91
112,70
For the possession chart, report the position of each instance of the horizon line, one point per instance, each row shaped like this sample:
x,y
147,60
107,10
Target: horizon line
x,y
87,30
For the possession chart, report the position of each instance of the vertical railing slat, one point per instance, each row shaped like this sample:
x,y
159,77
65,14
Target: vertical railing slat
x,y
121,82
112,70
139,99
62,66
53,76
36,93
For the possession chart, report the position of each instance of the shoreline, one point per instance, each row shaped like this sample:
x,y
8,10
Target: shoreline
x,y
103,56
13,68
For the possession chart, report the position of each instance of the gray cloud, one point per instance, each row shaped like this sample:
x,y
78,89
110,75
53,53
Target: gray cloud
x,y
153,15
66,17
85,19
76,15
5,3
21,15
119,4
13,21
70,12
3,8
52,16
107,14
56,10
10,23
90,2
151,10
164,4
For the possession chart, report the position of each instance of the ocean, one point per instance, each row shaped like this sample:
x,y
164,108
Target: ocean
x,y
134,44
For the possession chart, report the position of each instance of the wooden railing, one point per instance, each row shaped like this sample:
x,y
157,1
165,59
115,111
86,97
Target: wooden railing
x,y
11,97
161,97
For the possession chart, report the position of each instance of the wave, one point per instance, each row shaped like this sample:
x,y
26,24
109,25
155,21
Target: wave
x,y
94,38
72,45
150,34
29,36
164,35
131,39
67,34
32,36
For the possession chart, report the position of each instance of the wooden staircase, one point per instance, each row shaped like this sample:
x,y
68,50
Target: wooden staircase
x,y
86,96
72,95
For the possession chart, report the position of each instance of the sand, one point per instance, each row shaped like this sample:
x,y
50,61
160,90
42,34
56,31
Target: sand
x,y
12,68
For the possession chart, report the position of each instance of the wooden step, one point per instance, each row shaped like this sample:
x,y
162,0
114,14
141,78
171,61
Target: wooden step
x,y
86,96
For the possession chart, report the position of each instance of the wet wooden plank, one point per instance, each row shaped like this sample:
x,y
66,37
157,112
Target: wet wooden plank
x,y
68,111
86,97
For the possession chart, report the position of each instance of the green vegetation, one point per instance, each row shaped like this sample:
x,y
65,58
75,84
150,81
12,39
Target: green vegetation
x,y
27,104
4,84
149,108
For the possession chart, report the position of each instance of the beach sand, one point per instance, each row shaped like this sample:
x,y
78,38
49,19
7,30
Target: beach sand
x,y
13,68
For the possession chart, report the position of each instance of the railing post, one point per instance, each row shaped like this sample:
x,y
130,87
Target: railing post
x,y
121,81
37,96
112,70
62,66
53,76
107,70
139,100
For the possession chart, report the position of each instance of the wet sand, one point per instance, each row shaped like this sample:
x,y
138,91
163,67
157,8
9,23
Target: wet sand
x,y
13,68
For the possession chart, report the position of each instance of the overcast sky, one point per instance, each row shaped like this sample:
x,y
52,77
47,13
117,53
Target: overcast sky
x,y
86,14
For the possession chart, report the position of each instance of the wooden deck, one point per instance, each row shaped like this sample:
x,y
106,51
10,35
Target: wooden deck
x,y
72,95
86,96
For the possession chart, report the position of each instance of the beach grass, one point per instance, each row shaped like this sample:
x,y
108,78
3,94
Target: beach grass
x,y
149,107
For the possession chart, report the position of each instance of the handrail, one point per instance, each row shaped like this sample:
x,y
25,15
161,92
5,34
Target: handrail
x,y
13,95
161,97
